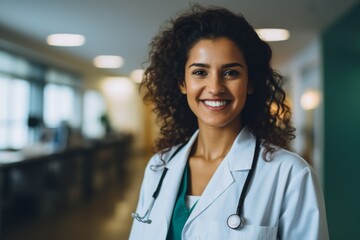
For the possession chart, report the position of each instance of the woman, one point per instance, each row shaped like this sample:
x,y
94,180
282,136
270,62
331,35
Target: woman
x,y
222,166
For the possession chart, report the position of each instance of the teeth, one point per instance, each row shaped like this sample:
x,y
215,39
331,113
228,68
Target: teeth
x,y
215,103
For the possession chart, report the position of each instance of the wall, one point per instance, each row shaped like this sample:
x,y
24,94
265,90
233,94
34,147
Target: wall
x,y
303,73
341,57
125,108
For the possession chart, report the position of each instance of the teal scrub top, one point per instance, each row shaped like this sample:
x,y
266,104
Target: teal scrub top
x,y
181,212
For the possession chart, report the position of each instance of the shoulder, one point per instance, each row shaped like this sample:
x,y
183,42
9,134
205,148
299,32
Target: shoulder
x,y
289,159
288,164
290,173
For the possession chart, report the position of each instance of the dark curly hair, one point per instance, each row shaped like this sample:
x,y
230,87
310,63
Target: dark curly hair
x,y
265,113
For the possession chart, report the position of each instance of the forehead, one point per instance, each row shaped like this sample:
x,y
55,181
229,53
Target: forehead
x,y
215,50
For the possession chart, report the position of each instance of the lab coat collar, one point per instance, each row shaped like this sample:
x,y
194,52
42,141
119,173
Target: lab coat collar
x,y
180,159
239,156
242,151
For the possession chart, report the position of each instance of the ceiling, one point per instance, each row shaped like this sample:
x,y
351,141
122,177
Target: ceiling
x,y
125,27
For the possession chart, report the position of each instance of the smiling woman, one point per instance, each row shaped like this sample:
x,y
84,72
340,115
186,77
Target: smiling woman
x,y
222,171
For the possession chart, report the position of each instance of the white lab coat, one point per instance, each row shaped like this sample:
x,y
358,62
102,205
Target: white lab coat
x,y
284,200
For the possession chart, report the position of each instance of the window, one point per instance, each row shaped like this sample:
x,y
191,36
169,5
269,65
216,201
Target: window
x,y
14,110
94,108
62,99
59,102
28,89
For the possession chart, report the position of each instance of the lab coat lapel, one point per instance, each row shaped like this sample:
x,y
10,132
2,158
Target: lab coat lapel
x,y
220,181
239,158
242,151
170,188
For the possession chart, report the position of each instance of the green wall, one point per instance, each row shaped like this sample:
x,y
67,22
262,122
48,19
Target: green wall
x,y
341,62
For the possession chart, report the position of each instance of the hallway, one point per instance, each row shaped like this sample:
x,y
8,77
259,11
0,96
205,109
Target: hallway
x,y
105,217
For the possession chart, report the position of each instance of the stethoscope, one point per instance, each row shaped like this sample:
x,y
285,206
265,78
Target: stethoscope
x,y
234,221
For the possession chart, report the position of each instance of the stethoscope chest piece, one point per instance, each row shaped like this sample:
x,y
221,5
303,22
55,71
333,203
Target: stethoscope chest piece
x,y
234,221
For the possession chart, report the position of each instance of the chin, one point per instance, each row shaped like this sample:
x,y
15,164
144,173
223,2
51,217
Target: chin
x,y
218,124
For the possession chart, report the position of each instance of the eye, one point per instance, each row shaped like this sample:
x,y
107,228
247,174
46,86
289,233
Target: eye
x,y
200,73
231,73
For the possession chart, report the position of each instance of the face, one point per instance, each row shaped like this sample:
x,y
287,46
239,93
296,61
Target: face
x,y
216,82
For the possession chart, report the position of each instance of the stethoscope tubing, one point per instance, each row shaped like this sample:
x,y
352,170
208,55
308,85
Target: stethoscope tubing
x,y
234,221
237,220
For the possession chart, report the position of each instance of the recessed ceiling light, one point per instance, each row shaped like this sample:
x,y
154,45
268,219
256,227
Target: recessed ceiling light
x,y
273,34
65,40
108,61
137,75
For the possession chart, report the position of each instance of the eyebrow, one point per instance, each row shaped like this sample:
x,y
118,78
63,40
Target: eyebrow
x,y
228,65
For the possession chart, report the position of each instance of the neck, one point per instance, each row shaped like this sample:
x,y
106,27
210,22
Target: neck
x,y
214,143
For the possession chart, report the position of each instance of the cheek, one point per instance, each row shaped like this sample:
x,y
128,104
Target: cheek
x,y
192,95
193,88
239,89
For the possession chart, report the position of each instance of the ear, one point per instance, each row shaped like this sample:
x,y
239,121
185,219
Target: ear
x,y
182,87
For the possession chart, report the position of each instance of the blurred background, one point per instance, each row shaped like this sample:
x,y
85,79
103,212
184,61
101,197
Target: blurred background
x,y
75,135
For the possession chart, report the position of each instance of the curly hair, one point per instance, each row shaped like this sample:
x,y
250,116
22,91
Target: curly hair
x,y
265,113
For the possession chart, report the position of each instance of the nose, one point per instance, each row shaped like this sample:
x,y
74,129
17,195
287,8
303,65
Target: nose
x,y
215,85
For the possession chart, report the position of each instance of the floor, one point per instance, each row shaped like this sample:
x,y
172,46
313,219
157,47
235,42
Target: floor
x,y
105,217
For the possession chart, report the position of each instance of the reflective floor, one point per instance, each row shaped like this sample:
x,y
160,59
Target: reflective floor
x,y
105,217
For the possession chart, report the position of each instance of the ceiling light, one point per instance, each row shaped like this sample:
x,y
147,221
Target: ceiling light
x,y
108,61
273,34
137,75
65,40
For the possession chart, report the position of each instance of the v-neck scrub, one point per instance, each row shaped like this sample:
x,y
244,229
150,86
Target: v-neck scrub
x,y
181,211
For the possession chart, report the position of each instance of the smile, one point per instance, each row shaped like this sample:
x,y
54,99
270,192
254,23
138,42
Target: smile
x,y
215,103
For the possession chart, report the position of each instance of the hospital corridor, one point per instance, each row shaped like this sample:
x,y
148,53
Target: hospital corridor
x,y
90,90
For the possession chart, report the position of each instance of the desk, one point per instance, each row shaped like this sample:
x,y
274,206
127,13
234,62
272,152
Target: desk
x,y
38,183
